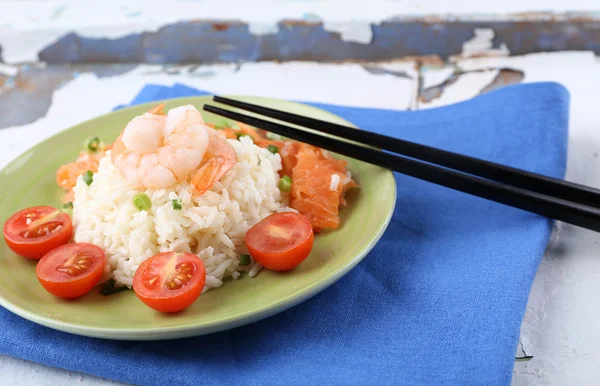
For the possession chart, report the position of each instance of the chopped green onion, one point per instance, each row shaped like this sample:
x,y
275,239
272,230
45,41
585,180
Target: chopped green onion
x,y
244,259
109,288
142,201
285,184
222,124
177,204
68,208
92,144
275,137
273,149
88,177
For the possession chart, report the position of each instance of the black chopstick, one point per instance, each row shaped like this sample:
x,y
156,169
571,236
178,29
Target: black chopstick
x,y
552,207
516,177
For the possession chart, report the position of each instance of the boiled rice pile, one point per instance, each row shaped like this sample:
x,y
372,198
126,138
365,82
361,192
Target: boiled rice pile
x,y
213,225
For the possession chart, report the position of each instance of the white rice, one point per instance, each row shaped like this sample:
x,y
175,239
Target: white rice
x,y
213,225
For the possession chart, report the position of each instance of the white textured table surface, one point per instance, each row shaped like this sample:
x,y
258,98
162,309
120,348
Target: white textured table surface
x,y
559,329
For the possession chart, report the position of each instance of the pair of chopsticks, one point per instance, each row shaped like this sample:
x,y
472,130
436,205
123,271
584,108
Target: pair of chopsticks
x,y
557,199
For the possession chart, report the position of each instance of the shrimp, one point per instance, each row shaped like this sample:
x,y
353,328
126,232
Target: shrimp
x,y
219,158
157,151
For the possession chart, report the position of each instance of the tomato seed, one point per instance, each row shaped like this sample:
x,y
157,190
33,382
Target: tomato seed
x,y
77,269
181,276
41,230
153,282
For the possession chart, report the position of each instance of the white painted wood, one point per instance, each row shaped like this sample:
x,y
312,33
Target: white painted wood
x,y
435,76
560,328
26,27
466,87
16,372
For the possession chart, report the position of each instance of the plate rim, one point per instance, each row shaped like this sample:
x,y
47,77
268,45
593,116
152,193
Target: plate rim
x,y
176,332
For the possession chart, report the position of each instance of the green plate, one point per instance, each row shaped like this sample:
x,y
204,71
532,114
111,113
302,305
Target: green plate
x,y
29,181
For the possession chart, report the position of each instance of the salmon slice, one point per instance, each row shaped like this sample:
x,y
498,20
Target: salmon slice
x,y
287,150
229,133
255,133
69,197
66,175
314,191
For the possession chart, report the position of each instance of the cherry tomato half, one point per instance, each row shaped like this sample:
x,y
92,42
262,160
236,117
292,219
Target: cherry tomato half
x,y
281,241
35,231
71,270
170,281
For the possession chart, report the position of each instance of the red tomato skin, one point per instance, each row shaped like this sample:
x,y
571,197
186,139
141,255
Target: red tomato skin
x,y
165,305
282,261
70,288
170,301
36,248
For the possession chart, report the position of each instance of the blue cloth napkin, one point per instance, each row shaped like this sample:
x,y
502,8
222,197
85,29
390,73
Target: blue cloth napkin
x,y
438,301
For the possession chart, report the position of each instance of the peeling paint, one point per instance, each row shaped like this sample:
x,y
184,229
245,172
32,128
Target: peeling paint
x,y
72,48
402,69
313,39
32,91
34,87
307,41
430,93
391,29
522,355
260,29
520,350
379,70
459,87
353,31
436,75
104,71
482,44
505,77
89,95
349,31
428,60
